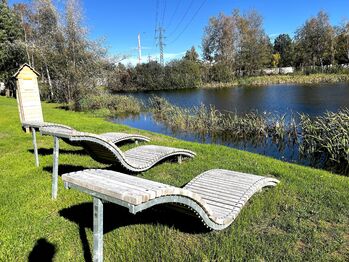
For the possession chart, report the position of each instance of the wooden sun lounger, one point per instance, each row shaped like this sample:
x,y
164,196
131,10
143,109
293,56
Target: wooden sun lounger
x,y
137,159
215,196
113,137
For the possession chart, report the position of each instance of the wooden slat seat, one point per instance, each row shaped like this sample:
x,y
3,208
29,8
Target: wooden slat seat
x,y
105,151
215,196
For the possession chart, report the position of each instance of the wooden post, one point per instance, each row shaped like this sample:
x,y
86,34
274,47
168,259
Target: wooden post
x,y
97,230
55,167
180,159
35,147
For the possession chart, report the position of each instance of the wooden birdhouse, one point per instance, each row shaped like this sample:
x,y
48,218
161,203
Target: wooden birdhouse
x,y
28,96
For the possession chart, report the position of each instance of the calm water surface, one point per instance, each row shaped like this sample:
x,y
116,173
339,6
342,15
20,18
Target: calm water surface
x,y
282,99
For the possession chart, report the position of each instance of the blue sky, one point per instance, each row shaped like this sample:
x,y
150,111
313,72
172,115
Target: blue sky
x,y
120,21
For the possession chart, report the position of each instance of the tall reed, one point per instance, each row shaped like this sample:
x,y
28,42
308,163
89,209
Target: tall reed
x,y
209,120
326,139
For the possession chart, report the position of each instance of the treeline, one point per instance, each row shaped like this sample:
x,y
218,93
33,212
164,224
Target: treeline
x,y
55,44
54,41
184,73
238,43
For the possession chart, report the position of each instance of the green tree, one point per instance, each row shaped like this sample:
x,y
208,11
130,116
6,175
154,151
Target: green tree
x,y
191,55
284,46
342,44
182,73
218,40
254,47
275,60
315,41
11,45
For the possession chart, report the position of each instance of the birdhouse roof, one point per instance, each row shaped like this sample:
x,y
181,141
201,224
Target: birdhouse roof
x,y
23,66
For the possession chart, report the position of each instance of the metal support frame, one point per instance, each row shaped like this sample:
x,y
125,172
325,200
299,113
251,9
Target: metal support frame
x,y
55,167
35,147
180,159
97,230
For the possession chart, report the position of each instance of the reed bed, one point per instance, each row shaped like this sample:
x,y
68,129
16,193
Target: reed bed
x,y
208,120
281,79
326,139
323,140
106,104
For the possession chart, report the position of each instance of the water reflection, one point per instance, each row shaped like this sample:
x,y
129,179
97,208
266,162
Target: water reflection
x,y
310,99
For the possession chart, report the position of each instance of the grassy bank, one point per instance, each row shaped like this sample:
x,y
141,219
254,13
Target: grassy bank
x,y
281,79
306,217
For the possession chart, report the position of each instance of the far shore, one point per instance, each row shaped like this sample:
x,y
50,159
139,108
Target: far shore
x,y
280,79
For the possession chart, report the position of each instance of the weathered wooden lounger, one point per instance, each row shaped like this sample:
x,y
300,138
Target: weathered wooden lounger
x,y
113,137
215,196
137,159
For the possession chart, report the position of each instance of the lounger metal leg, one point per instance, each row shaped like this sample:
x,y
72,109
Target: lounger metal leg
x,y
35,147
179,159
55,167
97,230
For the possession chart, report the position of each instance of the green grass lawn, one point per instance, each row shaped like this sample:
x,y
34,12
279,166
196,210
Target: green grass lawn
x,y
305,217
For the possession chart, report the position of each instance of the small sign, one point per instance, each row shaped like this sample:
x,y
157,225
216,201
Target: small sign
x,y
28,95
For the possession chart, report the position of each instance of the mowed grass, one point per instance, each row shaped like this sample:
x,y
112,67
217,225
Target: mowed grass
x,y
305,217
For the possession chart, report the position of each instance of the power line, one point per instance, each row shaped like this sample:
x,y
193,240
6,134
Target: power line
x,y
174,13
163,13
156,17
191,20
182,19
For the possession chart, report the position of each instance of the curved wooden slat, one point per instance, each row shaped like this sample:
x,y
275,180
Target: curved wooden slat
x,y
105,151
216,211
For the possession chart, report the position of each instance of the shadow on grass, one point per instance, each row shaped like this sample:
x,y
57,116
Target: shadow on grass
x,y
117,216
49,151
62,169
42,251
64,107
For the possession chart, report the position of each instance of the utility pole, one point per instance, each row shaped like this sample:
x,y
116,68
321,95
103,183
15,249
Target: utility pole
x,y
139,49
161,43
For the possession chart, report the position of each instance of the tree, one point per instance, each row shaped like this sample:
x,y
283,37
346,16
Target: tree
x,y
342,44
315,41
284,46
81,60
24,13
275,60
48,42
254,45
191,55
237,42
218,40
11,45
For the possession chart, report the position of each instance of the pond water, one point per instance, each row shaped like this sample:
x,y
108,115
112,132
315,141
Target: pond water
x,y
280,99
